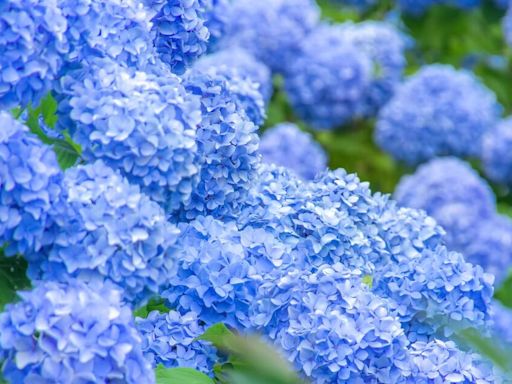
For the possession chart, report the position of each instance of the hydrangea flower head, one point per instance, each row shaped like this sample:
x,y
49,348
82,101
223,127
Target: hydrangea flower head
x,y
180,33
59,332
217,17
118,29
108,231
438,111
227,141
286,145
492,247
143,124
32,50
440,361
328,81
244,63
385,46
171,339
333,328
453,193
502,318
30,186
497,154
272,30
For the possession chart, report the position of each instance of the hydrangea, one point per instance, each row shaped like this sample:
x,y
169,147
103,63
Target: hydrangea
x,y
59,333
286,145
272,30
502,318
439,362
385,46
227,143
108,230
438,111
497,154
217,17
507,25
435,290
171,339
227,60
449,190
180,33
32,50
492,247
328,81
30,186
118,29
332,328
215,278
142,124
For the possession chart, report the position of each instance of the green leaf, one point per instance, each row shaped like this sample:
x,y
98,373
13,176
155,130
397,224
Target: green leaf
x,y
66,152
218,334
49,110
156,304
12,278
180,376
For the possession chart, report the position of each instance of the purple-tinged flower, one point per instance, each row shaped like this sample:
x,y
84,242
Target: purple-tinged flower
x,y
497,153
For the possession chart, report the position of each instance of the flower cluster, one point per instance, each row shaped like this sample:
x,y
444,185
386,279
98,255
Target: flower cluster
x,y
171,339
333,328
227,60
30,186
385,46
107,230
227,141
464,205
118,29
432,114
140,123
327,82
180,33
502,318
32,49
216,19
507,26
60,333
286,145
442,362
497,154
272,30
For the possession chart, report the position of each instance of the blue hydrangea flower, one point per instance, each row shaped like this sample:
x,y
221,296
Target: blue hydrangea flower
x,y
492,247
385,46
327,83
502,318
118,29
63,332
437,362
272,30
435,290
332,327
108,230
142,124
227,142
171,339
30,186
32,50
180,33
497,153
244,63
438,111
286,145
215,278
217,17
453,193
502,3
507,25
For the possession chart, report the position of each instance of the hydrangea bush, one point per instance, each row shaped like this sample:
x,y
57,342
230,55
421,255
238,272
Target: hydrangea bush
x,y
155,231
